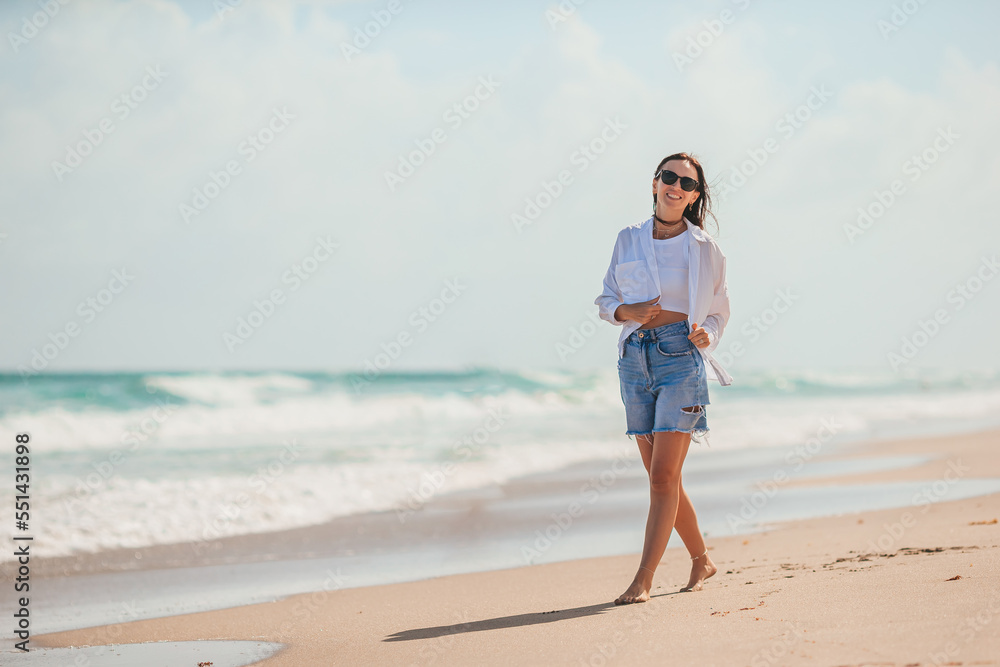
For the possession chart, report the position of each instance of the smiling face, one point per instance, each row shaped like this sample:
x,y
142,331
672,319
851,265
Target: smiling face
x,y
672,200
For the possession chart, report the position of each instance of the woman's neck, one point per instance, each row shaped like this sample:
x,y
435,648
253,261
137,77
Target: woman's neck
x,y
667,228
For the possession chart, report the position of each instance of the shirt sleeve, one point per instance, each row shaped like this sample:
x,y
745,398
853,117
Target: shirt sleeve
x,y
718,313
611,297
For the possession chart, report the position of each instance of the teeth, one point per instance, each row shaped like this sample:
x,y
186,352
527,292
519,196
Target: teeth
x,y
673,196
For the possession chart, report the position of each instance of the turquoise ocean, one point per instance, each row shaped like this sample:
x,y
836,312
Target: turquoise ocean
x,y
138,459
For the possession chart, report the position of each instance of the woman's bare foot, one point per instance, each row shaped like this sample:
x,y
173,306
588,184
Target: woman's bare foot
x,y
701,569
639,590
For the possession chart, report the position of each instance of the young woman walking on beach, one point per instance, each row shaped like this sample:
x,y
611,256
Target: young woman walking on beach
x,y
666,288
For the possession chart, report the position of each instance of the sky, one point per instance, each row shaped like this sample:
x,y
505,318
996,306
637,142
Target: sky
x,y
266,185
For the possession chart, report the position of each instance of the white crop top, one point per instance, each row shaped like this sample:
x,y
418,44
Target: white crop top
x,y
671,261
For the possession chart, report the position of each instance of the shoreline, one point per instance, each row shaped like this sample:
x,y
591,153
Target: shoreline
x,y
890,457
784,571
798,592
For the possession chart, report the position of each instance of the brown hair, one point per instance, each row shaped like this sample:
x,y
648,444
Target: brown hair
x,y
702,206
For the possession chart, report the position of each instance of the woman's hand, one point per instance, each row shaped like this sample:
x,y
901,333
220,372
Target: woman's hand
x,y
642,312
698,336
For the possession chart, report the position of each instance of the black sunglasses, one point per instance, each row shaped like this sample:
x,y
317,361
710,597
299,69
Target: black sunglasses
x,y
669,178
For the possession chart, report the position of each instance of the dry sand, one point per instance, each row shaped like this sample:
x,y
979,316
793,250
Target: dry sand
x,y
918,585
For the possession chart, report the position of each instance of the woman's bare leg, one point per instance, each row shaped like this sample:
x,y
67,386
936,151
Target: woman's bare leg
x,y
686,525
669,450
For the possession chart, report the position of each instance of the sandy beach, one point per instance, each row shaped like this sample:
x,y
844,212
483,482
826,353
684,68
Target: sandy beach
x,y
913,585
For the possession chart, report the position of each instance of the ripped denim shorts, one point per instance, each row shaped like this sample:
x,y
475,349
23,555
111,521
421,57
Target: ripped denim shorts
x,y
662,373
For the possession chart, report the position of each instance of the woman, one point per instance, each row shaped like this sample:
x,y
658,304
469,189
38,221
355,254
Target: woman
x,y
666,287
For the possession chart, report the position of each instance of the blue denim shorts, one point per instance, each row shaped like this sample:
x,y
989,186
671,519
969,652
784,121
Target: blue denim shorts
x,y
662,372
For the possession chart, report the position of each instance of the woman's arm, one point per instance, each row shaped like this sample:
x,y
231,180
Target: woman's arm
x,y
718,313
611,297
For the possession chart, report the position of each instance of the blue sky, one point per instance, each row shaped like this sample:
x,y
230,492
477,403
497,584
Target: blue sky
x,y
524,295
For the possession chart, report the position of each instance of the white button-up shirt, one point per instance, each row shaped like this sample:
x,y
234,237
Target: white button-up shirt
x,y
633,277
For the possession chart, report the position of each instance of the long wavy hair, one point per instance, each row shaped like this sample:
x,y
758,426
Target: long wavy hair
x,y
702,206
